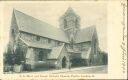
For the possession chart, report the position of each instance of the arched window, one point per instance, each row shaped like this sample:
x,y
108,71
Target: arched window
x,y
49,40
13,33
95,48
37,38
42,56
76,22
65,23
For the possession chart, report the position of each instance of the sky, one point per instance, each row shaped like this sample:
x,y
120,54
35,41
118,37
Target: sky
x,y
91,13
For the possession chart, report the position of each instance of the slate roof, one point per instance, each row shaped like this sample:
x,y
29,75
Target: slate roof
x,y
85,34
32,25
56,51
35,45
72,51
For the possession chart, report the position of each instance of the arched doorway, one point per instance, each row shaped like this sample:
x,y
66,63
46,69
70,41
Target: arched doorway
x,y
64,62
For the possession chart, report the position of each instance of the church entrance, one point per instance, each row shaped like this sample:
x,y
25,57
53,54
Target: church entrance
x,y
64,62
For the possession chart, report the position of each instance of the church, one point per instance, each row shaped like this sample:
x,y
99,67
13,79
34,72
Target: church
x,y
42,44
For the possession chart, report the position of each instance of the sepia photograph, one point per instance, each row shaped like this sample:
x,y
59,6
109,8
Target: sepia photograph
x,y
76,44
63,40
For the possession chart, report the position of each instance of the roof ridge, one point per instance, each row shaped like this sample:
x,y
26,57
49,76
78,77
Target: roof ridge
x,y
38,27
61,47
32,17
23,41
87,32
35,26
92,26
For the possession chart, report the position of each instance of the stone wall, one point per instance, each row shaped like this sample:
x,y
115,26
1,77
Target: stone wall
x,y
86,45
30,58
61,56
13,33
39,39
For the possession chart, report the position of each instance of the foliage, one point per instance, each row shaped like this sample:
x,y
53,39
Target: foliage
x,y
8,56
12,57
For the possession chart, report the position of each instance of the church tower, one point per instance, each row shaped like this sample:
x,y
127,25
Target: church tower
x,y
70,23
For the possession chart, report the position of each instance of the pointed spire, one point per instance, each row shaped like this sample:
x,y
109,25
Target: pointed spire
x,y
14,9
69,10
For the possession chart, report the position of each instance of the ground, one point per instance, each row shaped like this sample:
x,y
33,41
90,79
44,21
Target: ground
x,y
80,70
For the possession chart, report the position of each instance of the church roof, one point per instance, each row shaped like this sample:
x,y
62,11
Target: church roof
x,y
32,25
34,44
56,51
85,34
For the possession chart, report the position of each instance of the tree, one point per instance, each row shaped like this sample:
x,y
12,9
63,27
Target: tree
x,y
8,56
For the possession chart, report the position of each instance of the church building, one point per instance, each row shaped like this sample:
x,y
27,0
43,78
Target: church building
x,y
42,44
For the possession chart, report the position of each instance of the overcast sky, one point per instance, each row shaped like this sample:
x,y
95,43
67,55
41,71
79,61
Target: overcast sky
x,y
90,13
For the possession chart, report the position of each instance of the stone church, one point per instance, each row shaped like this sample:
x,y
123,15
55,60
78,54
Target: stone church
x,y
41,43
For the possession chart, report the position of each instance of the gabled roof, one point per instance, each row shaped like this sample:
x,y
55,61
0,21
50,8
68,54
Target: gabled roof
x,y
85,34
56,51
73,51
32,25
70,11
35,44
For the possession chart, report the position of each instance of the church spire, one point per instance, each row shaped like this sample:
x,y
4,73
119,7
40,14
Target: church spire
x,y
69,10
